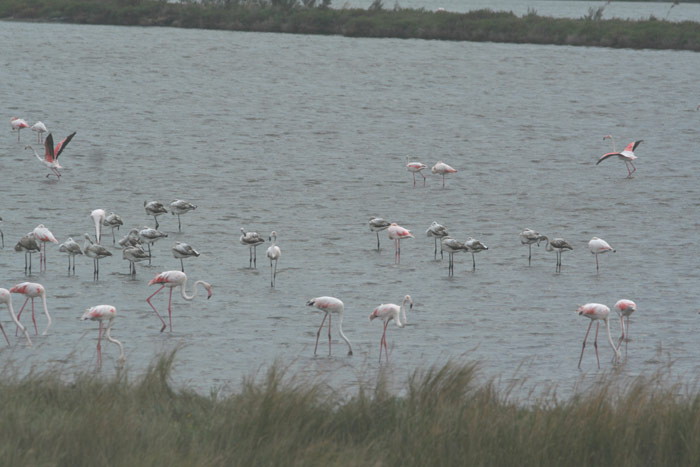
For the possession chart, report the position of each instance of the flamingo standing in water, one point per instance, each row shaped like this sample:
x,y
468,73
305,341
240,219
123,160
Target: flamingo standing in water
x,y
377,224
2,236
51,154
183,250
172,279
114,221
6,298
155,209
329,305
416,167
598,246
40,129
96,252
71,248
387,312
627,155
178,207
28,245
438,232
528,237
452,246
131,239
18,124
442,169
98,217
559,245
101,313
43,235
150,236
31,290
134,254
274,253
251,240
597,312
475,246
624,309
396,233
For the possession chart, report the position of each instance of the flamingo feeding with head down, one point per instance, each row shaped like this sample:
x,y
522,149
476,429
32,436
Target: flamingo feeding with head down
x,y
18,124
31,290
438,232
40,129
98,217
387,312
415,168
627,155
528,237
329,305
377,224
624,309
598,246
251,240
101,313
274,253
6,298
178,207
442,169
50,159
597,312
396,233
172,279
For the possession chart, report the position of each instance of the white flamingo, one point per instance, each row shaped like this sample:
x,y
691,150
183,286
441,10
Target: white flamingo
x,y
597,312
101,313
172,279
274,253
330,305
387,312
6,298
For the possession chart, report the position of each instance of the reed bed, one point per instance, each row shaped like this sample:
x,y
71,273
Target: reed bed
x,y
444,416
310,17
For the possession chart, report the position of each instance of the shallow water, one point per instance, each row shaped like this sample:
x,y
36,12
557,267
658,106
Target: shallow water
x,y
307,136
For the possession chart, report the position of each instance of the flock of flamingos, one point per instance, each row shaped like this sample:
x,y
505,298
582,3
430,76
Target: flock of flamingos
x,y
136,247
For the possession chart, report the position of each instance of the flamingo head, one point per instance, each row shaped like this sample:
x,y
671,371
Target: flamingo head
x,y
579,309
208,287
607,137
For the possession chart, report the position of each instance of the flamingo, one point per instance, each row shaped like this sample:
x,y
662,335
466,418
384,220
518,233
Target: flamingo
x,y
178,207
2,236
452,246
6,298
624,309
50,159
475,246
442,169
131,239
101,313
113,221
597,312
40,129
559,245
528,237
251,240
183,250
43,235
416,167
172,279
438,232
274,253
387,312
396,233
155,209
18,124
98,217
29,245
330,305
96,252
71,248
134,254
31,290
627,155
598,246
377,224
150,236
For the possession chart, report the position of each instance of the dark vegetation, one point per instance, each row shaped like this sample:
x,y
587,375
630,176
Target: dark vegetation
x,y
315,17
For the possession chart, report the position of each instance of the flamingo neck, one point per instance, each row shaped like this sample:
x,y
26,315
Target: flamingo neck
x,y
98,229
618,355
340,331
548,247
613,143
403,312
19,325
36,153
48,316
114,341
194,289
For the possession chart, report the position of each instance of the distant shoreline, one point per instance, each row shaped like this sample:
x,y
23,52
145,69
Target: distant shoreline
x,y
306,17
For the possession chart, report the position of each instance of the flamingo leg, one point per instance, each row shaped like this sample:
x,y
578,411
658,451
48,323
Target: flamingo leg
x,y
156,219
596,263
377,241
435,253
584,344
149,254
3,333
154,308
423,177
595,343
386,350
382,341
529,254
250,259
170,311
318,334
274,277
255,256
36,331
114,240
414,179
20,314
179,226
398,245
443,180
182,265
473,263
99,347
329,334
627,340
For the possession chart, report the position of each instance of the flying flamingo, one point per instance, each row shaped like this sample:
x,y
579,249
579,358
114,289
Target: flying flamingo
x,y
598,246
627,155
101,313
32,290
6,298
172,279
98,217
625,308
40,128
51,154
597,312
18,124
396,233
274,253
330,305
29,245
178,207
442,169
416,167
438,232
452,246
113,221
475,246
71,248
183,250
96,252
134,254
528,237
377,224
155,209
559,245
387,312
43,235
251,240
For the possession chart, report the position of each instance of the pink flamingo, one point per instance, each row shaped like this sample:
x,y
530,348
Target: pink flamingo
x,y
51,154
387,312
330,305
442,169
598,246
101,313
625,308
40,129
597,312
396,233
18,124
6,298
43,235
627,155
32,290
172,279
416,167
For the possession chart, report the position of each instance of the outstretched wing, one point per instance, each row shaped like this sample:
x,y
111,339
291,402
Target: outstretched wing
x,y
635,144
605,156
61,146
48,153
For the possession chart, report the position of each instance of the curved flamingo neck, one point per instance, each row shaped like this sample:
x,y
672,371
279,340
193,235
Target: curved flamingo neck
x,y
340,331
16,321
113,340
194,289
403,312
548,247
613,142
618,356
41,159
46,311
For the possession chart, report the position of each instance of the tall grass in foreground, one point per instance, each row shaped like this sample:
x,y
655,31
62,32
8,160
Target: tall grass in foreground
x,y
445,418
